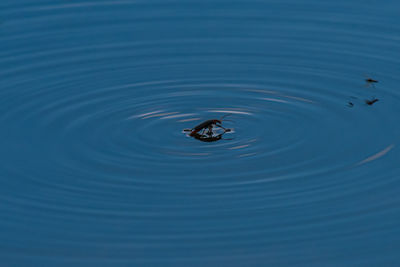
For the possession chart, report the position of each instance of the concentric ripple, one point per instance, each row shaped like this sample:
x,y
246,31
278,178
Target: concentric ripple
x,y
97,170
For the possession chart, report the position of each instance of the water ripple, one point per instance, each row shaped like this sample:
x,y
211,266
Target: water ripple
x,y
95,99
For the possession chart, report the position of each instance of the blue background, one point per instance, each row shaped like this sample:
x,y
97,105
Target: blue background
x,y
96,170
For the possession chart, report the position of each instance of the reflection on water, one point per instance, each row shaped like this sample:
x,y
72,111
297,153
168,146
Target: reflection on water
x,y
97,172
209,137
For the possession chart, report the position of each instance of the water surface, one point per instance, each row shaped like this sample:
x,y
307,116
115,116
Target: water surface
x,y
96,171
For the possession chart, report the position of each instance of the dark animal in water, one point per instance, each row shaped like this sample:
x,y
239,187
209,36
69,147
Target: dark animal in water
x,y
198,132
370,80
209,136
209,124
371,102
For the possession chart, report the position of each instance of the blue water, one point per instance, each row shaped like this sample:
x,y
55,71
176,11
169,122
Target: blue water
x,y
97,171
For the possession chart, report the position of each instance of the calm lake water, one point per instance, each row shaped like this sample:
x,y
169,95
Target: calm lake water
x,y
97,171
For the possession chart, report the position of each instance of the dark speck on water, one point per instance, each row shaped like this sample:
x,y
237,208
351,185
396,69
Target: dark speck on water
x,y
371,102
369,80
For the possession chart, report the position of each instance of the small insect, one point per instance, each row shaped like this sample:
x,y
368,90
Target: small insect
x,y
370,80
207,125
204,131
372,101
